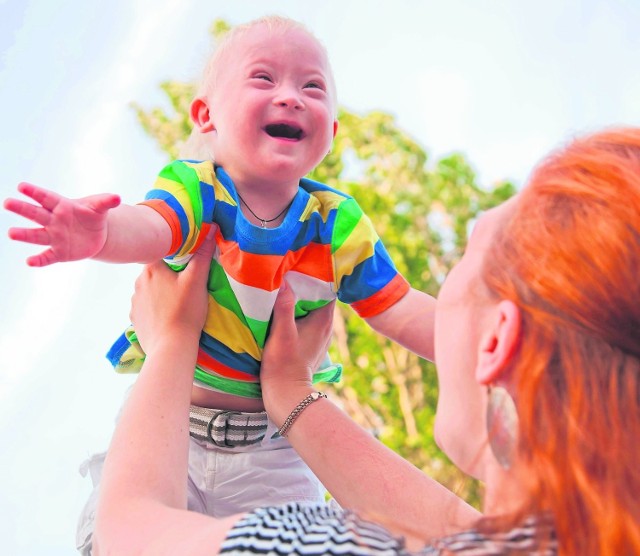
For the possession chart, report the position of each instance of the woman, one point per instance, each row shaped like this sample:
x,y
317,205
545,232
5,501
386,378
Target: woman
x,y
539,394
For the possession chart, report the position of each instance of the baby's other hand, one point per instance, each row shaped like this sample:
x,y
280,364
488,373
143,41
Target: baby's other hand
x,y
73,229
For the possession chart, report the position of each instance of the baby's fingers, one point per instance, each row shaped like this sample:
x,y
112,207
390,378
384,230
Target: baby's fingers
x,y
45,258
35,213
102,202
48,199
37,236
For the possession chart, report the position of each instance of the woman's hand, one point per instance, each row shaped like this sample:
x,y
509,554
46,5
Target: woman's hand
x,y
292,353
170,305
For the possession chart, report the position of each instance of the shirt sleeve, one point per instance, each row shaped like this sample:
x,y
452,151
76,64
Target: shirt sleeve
x,y
309,529
366,277
183,195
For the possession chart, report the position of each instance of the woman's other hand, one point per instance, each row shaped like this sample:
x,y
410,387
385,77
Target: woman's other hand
x,y
292,353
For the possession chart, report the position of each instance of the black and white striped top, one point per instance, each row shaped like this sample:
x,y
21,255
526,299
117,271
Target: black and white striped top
x,y
319,530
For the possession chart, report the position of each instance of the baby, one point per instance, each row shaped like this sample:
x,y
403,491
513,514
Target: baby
x,y
267,111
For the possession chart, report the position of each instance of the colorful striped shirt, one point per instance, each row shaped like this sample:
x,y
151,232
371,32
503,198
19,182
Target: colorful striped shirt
x,y
326,248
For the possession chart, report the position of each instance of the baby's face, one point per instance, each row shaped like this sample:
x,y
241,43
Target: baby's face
x,y
273,107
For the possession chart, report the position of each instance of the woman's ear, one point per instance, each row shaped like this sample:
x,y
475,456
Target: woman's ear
x,y
200,115
499,343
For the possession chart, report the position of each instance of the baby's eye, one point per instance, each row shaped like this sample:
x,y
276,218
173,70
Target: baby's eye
x,y
314,85
264,77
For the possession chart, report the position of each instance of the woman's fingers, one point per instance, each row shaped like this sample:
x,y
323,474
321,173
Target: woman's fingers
x,y
320,320
200,264
315,332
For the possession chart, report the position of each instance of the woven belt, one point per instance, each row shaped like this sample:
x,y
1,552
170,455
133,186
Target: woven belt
x,y
227,428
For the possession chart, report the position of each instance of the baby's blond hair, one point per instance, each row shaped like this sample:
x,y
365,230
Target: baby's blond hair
x,y
275,23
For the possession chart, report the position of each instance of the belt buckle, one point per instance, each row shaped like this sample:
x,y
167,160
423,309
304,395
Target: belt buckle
x,y
227,413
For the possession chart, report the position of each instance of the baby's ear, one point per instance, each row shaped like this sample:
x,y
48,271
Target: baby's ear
x,y
200,116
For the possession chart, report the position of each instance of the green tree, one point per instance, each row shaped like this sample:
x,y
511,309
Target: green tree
x,y
422,211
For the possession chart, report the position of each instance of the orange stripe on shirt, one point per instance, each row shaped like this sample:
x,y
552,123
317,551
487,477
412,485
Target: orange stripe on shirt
x,y
172,219
266,271
315,260
383,299
208,363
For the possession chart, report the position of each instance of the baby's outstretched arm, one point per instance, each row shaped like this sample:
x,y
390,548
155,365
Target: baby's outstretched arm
x,y
95,227
410,322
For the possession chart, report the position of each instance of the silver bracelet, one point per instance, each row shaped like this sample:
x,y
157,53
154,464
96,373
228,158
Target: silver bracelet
x,y
297,410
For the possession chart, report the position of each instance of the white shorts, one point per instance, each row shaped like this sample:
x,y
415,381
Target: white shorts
x,y
224,481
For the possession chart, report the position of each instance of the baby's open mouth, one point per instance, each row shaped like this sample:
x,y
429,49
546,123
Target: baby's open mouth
x,y
285,131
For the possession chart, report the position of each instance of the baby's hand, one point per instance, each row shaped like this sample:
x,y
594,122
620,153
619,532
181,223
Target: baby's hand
x,y
73,229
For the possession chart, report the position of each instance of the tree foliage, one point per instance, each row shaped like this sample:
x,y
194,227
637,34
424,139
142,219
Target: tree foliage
x,y
422,211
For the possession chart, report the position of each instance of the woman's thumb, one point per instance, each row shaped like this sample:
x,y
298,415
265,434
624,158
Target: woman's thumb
x,y
200,263
284,309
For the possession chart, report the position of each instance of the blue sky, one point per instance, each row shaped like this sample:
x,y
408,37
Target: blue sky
x,y
502,81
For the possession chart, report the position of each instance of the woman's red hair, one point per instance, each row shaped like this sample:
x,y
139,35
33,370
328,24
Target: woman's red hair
x,y
570,259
